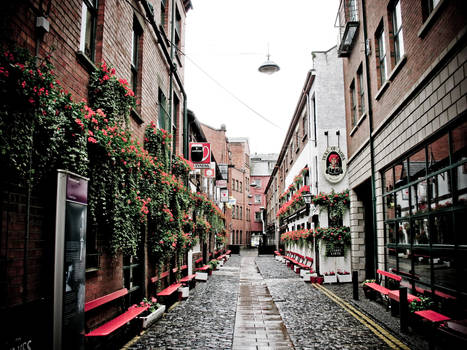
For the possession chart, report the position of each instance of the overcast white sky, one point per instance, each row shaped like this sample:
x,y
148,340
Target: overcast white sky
x,y
228,39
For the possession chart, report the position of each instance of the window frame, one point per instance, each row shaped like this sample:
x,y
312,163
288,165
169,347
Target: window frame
x,y
381,57
398,35
92,7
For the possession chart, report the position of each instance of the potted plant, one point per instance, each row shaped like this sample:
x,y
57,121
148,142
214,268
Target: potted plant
x,y
153,313
214,264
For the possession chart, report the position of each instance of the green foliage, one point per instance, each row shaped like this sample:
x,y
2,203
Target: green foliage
x,y
131,189
333,237
425,303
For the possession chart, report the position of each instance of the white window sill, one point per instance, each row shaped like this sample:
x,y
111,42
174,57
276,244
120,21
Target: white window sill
x,y
381,90
397,68
360,120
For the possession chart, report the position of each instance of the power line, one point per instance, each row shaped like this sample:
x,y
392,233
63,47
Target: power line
x,y
207,74
231,93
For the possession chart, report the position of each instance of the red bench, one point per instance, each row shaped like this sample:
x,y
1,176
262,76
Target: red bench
x,y
432,316
117,322
171,292
381,289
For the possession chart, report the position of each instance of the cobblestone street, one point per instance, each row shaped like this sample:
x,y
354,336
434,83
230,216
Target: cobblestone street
x,y
258,303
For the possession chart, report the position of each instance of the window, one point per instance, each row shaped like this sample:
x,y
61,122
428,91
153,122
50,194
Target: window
x,y
297,140
397,30
241,187
163,115
241,213
135,55
425,210
88,28
258,216
133,277
304,124
353,105
381,57
430,5
178,30
164,13
361,90
257,198
313,110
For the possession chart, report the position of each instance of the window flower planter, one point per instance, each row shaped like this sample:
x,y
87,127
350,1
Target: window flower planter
x,y
344,277
330,278
184,292
147,318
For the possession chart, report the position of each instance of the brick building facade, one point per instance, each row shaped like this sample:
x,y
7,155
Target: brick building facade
x,y
405,87
134,37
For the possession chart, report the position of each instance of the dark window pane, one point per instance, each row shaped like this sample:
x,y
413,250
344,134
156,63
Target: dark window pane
x,y
459,142
440,190
444,269
462,259
420,232
400,172
390,233
388,180
419,197
422,267
402,203
460,227
405,262
403,232
389,206
391,259
460,176
443,229
417,165
438,154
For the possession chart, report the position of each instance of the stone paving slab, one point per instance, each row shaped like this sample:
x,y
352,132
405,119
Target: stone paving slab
x,y
205,320
312,319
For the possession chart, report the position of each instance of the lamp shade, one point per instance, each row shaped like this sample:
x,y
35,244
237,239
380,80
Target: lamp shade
x,y
269,67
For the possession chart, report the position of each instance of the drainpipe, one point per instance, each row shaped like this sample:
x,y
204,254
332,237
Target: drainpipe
x,y
372,149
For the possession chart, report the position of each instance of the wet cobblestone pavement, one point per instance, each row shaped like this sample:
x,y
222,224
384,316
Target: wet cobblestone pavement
x,y
258,303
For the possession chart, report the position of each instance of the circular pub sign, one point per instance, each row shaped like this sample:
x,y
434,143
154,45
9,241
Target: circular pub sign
x,y
334,164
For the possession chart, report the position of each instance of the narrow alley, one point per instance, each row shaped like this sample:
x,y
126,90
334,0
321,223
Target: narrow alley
x,y
255,302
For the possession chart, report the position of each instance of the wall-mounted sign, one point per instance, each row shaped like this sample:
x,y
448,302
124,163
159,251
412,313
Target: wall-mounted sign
x,y
224,170
224,195
334,164
221,183
200,155
211,173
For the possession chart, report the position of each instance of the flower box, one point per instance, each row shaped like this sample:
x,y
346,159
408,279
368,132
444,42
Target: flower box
x,y
147,318
201,276
344,278
184,292
330,279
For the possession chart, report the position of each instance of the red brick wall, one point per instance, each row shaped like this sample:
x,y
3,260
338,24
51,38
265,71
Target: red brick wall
x,y
420,52
114,34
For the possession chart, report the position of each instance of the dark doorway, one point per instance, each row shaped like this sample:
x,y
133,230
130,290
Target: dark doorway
x,y
364,195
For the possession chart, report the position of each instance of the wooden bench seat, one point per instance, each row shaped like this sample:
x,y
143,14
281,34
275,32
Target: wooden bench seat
x,y
377,287
432,316
105,299
394,295
169,290
187,278
203,268
118,322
